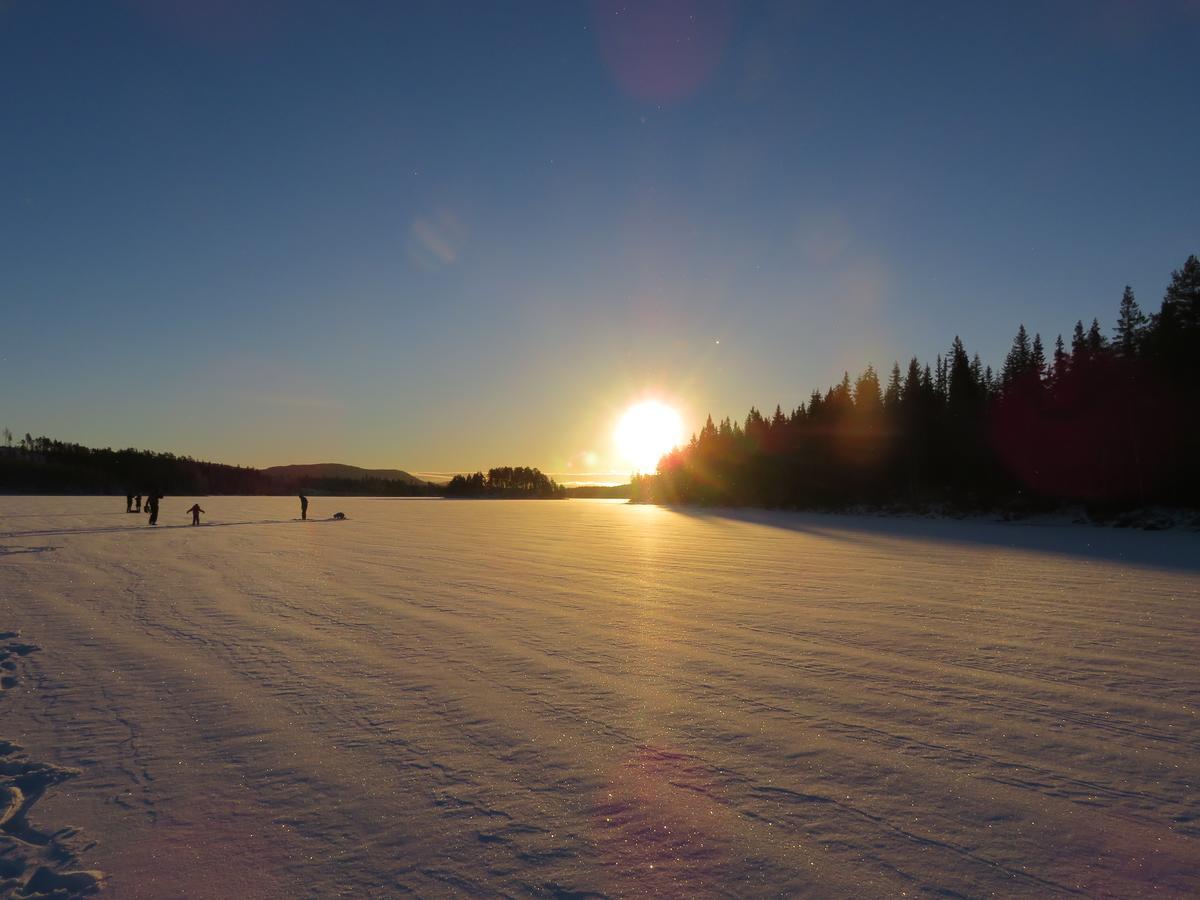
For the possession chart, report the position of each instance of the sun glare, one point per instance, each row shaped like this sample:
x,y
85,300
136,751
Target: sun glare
x,y
646,431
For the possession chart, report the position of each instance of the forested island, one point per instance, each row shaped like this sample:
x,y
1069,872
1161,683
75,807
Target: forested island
x,y
506,481
1111,422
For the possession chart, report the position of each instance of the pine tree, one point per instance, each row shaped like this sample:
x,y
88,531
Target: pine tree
x,y
1037,358
912,384
815,405
891,396
963,388
1131,326
1061,359
1079,341
1181,302
756,427
1096,341
866,391
841,397
779,421
1017,362
1173,337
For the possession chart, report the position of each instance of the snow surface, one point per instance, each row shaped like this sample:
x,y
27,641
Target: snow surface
x,y
584,698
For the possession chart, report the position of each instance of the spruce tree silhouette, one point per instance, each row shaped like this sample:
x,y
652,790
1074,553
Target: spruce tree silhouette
x,y
1130,331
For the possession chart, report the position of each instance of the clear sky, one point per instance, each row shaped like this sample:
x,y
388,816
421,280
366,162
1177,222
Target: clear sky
x,y
445,236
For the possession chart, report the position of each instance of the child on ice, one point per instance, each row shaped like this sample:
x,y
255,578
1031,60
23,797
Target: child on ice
x,y
195,511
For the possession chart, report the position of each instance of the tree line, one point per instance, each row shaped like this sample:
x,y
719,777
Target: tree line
x,y
506,481
1108,420
40,465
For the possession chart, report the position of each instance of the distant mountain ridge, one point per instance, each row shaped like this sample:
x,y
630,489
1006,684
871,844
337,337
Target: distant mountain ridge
x,y
339,470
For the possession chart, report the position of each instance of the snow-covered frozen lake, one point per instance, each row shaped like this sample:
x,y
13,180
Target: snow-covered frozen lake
x,y
589,698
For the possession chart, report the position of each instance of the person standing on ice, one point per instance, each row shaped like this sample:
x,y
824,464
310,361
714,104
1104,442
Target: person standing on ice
x,y
303,507
129,503
137,503
195,511
152,506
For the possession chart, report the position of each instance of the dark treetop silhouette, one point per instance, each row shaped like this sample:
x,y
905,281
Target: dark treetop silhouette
x,y
42,465
506,481
1112,423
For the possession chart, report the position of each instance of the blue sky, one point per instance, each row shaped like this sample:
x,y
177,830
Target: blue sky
x,y
445,236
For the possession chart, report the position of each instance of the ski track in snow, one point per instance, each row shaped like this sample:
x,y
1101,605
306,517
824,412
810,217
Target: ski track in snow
x,y
587,698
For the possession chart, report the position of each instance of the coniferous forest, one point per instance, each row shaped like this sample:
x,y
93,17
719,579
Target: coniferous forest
x,y
506,481
40,465
1105,419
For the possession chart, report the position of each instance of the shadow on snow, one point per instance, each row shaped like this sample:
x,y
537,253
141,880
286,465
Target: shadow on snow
x,y
1176,549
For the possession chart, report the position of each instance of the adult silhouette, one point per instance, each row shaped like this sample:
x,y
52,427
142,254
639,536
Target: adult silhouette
x,y
303,507
152,506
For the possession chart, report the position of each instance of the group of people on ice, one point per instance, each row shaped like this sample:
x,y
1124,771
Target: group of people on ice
x,y
133,504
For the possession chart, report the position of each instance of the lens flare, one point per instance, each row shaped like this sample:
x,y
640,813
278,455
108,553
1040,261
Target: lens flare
x,y
648,430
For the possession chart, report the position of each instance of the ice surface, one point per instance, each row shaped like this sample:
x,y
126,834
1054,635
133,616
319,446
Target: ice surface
x,y
589,698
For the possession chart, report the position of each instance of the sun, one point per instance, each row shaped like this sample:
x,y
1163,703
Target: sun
x,y
646,432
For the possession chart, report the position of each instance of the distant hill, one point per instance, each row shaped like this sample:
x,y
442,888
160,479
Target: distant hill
x,y
43,465
314,471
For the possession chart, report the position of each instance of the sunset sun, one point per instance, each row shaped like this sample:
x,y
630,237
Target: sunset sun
x,y
646,431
